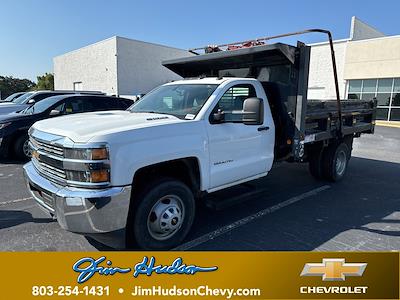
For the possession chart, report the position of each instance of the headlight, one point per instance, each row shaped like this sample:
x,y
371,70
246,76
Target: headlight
x,y
4,125
86,154
94,170
93,176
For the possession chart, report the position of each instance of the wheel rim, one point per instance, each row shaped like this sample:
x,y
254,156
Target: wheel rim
x,y
165,217
26,149
341,162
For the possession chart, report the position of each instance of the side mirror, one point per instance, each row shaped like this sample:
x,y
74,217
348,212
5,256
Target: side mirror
x,y
55,112
218,117
138,97
31,101
253,111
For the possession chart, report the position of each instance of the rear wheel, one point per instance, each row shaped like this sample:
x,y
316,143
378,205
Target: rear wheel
x,y
21,147
161,216
335,161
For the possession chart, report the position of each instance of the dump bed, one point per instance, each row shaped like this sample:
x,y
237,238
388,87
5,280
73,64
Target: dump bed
x,y
283,70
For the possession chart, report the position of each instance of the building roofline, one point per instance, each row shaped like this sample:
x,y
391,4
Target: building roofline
x,y
326,43
150,43
116,37
87,46
378,38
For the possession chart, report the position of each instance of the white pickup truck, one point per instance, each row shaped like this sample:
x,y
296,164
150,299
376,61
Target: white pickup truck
x,y
141,171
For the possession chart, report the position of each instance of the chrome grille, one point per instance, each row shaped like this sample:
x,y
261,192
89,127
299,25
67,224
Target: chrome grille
x,y
46,147
49,171
43,162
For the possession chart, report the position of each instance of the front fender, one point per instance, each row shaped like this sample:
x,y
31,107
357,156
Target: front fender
x,y
134,150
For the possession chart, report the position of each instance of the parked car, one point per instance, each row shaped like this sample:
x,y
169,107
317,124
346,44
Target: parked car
x,y
14,127
12,97
30,98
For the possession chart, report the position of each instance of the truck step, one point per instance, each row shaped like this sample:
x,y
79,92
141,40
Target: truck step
x,y
232,196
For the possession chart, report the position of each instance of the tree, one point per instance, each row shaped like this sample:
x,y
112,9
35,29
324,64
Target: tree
x,y
45,82
10,85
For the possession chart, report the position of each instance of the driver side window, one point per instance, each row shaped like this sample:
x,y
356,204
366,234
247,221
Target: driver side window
x,y
234,97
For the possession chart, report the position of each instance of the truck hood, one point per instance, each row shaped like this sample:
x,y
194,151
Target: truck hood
x,y
80,128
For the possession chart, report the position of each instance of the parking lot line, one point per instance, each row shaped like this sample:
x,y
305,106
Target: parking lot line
x,y
15,201
5,166
216,233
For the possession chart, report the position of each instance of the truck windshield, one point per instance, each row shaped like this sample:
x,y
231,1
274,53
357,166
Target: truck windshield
x,y
183,101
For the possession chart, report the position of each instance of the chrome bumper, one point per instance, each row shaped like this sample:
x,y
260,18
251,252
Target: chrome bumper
x,y
80,210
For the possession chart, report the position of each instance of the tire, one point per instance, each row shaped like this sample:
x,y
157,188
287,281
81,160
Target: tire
x,y
315,163
335,161
21,148
161,216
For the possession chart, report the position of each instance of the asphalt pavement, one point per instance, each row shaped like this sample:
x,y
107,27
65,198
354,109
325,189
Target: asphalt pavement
x,y
290,211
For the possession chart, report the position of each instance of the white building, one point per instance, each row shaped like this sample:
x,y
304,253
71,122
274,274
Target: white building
x,y
116,66
368,65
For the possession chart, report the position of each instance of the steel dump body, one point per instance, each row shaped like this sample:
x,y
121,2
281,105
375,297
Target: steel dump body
x,y
283,71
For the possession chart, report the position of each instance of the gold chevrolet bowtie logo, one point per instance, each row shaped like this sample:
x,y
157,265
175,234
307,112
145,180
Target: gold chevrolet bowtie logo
x,y
333,269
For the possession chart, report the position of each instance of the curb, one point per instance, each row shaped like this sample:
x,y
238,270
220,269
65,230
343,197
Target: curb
x,y
393,124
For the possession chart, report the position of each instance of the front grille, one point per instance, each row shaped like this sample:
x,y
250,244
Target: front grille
x,y
49,170
45,163
48,148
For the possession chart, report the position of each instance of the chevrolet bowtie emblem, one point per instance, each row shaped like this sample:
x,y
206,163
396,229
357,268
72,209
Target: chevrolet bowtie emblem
x,y
333,269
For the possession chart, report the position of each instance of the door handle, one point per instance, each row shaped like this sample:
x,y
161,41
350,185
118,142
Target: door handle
x,y
262,128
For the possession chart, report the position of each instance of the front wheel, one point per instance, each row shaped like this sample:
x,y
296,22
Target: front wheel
x,y
161,215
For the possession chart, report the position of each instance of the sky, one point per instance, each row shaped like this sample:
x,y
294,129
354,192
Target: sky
x,y
32,32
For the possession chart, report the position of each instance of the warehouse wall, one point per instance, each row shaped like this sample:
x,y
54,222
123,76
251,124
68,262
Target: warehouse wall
x,y
95,66
321,83
139,65
375,58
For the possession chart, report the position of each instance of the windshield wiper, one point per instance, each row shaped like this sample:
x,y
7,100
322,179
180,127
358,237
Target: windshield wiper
x,y
151,112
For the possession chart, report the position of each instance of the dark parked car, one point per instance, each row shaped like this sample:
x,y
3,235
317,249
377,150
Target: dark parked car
x,y
14,127
12,97
30,98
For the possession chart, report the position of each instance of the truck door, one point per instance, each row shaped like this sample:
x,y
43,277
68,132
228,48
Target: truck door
x,y
238,151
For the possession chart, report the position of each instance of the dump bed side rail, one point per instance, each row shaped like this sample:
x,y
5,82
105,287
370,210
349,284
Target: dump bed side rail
x,y
322,119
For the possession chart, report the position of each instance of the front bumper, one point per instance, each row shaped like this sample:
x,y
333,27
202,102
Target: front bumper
x,y
80,210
